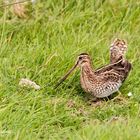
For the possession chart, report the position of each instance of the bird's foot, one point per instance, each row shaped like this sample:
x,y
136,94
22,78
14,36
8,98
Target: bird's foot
x,y
119,97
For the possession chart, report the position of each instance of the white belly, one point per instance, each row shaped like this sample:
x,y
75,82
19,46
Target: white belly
x,y
106,89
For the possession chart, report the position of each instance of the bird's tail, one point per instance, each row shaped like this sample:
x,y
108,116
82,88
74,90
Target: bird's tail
x,y
118,49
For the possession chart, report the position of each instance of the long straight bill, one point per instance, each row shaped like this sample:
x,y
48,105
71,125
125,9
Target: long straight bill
x,y
65,76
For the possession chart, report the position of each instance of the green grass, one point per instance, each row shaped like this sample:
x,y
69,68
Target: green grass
x,y
43,47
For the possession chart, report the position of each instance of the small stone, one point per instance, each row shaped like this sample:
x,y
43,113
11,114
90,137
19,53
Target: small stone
x,y
28,83
129,94
33,1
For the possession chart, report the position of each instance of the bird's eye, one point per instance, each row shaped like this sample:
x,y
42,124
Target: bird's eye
x,y
80,58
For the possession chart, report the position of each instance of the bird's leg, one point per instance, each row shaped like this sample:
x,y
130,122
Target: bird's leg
x,y
119,97
119,93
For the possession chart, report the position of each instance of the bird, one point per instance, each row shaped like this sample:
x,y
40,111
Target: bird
x,y
106,80
101,82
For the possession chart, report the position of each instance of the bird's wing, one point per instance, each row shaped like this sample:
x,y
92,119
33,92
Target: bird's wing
x,y
111,77
109,67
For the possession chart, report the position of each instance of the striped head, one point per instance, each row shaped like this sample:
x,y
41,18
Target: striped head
x,y
83,59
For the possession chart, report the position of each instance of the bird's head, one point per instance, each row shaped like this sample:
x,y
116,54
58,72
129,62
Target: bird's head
x,y
83,59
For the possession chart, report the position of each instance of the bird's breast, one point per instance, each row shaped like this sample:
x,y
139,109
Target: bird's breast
x,y
87,81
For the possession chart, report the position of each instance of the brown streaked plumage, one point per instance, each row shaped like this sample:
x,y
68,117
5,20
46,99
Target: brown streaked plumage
x,y
117,50
104,81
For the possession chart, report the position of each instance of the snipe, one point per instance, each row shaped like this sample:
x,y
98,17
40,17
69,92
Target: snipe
x,y
104,81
